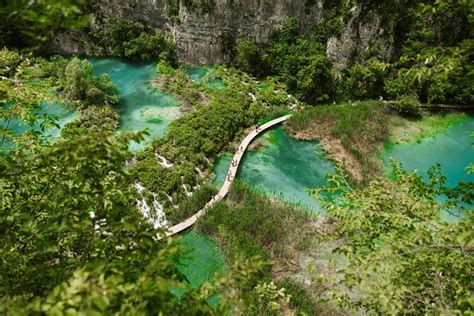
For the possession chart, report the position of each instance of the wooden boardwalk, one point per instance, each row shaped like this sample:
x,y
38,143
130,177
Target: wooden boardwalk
x,y
230,176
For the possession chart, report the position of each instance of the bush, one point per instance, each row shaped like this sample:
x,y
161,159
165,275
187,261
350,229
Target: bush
x,y
301,64
78,83
365,80
408,105
124,38
148,46
249,57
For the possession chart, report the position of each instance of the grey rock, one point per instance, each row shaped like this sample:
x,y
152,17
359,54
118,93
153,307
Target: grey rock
x,y
201,36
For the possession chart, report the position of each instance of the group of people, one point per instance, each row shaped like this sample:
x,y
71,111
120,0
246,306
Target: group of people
x,y
240,150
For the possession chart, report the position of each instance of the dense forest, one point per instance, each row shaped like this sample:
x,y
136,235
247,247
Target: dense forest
x,y
74,242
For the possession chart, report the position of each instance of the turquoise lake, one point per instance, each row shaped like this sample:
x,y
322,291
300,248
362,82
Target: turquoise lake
x,y
284,167
452,149
61,114
139,107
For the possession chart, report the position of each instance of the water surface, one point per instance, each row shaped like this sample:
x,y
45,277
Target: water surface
x,y
452,149
285,168
139,107
61,114
203,261
197,74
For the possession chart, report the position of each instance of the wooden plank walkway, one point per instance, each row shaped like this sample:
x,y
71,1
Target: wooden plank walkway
x,y
230,176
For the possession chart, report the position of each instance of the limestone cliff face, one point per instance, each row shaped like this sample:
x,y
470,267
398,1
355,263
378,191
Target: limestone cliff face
x,y
203,35
201,38
361,34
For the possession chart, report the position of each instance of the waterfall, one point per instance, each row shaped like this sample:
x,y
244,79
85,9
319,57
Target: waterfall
x,y
164,162
155,216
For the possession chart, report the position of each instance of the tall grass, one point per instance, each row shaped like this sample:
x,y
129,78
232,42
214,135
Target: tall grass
x,y
249,224
191,205
361,128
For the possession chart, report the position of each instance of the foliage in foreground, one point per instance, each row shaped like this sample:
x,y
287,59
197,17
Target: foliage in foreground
x,y
403,258
73,241
31,24
248,224
31,82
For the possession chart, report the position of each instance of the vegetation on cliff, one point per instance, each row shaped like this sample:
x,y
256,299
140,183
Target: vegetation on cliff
x,y
129,39
434,63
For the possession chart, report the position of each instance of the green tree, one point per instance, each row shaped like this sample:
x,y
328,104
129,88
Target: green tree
x,y
249,57
403,259
31,24
79,85
301,64
73,240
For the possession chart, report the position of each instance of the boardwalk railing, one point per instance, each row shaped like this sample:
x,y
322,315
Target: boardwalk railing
x,y
230,176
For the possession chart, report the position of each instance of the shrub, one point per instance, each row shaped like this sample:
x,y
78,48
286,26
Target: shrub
x,y
124,38
78,84
365,80
148,46
249,57
408,105
301,64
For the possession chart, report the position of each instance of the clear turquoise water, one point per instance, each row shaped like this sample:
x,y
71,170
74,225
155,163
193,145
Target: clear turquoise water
x,y
203,261
285,168
452,149
61,114
197,74
139,107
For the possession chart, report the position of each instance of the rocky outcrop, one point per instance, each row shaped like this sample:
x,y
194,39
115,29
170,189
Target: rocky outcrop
x,y
203,38
205,35
361,34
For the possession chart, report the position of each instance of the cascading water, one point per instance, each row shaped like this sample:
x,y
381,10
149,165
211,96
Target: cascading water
x,y
155,216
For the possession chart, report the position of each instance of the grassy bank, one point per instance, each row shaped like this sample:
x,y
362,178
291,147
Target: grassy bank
x,y
353,134
403,130
247,224
350,133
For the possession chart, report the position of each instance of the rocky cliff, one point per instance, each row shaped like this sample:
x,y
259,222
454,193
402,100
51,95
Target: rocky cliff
x,y
203,33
